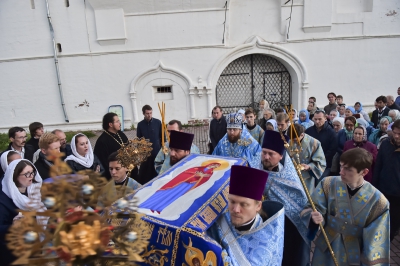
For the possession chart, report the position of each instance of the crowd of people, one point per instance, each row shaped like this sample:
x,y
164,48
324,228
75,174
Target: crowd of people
x,y
350,164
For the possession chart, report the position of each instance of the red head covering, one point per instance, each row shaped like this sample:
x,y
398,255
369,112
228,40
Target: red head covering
x,y
247,182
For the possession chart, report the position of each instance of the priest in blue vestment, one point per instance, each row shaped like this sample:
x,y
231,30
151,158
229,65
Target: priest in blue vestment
x,y
355,216
238,143
284,186
251,232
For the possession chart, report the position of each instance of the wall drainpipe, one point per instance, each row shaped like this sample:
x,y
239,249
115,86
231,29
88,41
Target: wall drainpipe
x,y
56,62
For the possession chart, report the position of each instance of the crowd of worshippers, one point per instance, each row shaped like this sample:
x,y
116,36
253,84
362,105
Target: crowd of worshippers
x,y
350,164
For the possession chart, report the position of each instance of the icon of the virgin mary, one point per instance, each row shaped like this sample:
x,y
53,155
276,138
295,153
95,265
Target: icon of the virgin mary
x,y
178,186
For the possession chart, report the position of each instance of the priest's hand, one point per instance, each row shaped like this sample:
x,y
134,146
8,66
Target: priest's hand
x,y
317,217
305,166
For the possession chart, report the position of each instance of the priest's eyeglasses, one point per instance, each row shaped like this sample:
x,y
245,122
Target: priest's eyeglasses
x,y
29,174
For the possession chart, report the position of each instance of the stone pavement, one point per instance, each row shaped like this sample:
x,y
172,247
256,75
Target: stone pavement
x,y
200,140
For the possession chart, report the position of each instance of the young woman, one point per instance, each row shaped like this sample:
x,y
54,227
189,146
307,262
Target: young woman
x,y
82,157
19,188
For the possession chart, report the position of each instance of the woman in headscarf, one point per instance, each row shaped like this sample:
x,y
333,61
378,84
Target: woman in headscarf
x,y
272,125
350,111
6,158
294,115
377,134
263,105
268,114
20,187
311,108
364,123
394,114
360,141
304,119
389,134
346,133
82,157
358,108
338,124
333,114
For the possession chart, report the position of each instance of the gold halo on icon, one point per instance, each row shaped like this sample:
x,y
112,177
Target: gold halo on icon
x,y
223,164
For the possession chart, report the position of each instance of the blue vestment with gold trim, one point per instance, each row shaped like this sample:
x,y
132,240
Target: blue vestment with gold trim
x,y
246,148
260,246
312,154
357,227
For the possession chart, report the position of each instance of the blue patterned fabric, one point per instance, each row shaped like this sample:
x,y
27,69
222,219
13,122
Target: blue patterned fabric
x,y
178,224
311,153
285,187
261,245
357,227
257,133
246,148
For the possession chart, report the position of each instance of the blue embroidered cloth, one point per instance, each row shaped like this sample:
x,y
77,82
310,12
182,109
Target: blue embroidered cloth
x,y
180,205
246,148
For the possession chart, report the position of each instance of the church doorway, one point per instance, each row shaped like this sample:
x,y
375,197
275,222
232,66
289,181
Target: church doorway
x,y
251,78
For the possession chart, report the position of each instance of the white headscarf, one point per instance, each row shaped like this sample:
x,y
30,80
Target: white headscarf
x,y
3,161
21,201
340,120
86,161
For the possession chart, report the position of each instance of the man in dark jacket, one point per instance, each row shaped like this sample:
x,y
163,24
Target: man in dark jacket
x,y
48,143
149,128
36,130
381,110
17,136
65,147
217,127
322,131
391,103
386,176
110,140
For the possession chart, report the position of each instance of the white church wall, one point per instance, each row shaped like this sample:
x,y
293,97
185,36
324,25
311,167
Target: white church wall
x,y
356,57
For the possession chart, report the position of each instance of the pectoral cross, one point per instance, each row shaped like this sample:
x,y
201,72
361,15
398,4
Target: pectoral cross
x,y
341,191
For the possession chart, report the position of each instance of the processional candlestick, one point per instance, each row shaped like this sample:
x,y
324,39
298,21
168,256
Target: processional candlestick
x,y
294,154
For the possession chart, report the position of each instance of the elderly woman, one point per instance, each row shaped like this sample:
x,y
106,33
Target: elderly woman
x,y
333,114
19,188
338,124
263,105
360,141
358,108
377,134
304,119
364,123
82,157
268,114
346,133
394,114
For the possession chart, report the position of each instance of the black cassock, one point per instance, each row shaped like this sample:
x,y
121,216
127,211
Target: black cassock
x,y
107,144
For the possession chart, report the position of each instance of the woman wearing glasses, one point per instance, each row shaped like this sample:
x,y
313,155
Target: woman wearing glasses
x,y
20,187
82,157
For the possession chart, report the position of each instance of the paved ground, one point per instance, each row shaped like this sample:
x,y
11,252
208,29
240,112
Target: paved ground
x,y
201,138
